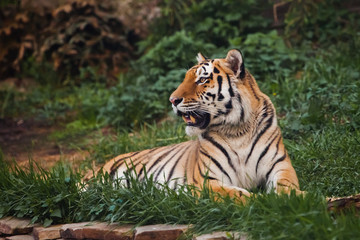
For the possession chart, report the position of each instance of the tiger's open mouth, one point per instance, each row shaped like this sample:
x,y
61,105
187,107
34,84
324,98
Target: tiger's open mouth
x,y
195,119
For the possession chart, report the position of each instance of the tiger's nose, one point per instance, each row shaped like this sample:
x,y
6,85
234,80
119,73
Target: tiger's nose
x,y
175,101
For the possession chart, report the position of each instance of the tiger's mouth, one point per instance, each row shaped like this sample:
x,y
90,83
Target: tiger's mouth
x,y
195,119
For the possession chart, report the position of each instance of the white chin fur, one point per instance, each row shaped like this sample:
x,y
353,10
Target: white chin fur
x,y
193,131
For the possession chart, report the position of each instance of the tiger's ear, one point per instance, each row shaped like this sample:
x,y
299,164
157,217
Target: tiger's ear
x,y
200,58
236,63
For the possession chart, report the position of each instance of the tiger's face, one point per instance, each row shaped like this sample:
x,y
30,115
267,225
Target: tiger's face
x,y
208,97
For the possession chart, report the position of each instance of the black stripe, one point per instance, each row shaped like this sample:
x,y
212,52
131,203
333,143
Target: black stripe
x,y
120,162
216,70
239,99
168,150
242,113
230,87
263,153
176,184
222,149
186,166
194,180
220,96
207,172
252,89
228,106
206,176
242,70
176,163
267,126
277,149
163,166
216,163
272,167
211,95
265,113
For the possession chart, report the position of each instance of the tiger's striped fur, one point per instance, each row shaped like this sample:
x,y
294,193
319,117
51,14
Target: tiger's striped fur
x,y
239,144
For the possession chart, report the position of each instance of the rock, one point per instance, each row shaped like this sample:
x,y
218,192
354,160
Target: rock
x,y
96,230
11,225
20,237
160,231
221,236
52,232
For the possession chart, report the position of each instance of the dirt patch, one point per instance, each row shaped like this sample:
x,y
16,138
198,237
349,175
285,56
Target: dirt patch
x,y
22,140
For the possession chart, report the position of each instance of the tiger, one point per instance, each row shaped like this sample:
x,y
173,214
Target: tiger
x,y
238,144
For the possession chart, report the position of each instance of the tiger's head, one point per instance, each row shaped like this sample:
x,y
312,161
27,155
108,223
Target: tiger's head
x,y
215,94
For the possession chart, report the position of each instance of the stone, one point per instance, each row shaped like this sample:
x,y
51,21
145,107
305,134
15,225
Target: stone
x,y
12,225
160,231
96,230
52,232
20,237
221,236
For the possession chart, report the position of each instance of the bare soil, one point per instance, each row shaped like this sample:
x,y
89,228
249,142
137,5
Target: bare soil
x,y
22,140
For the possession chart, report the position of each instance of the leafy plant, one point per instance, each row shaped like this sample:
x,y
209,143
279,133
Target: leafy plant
x,y
213,21
266,53
321,22
326,92
46,196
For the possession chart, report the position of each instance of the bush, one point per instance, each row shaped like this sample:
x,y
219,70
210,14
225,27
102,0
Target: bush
x,y
321,22
266,53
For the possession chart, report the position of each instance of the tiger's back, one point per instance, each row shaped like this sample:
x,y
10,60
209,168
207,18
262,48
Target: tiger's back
x,y
239,144
167,164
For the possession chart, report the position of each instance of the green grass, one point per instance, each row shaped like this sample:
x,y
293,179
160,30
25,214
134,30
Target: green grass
x,y
45,196
327,161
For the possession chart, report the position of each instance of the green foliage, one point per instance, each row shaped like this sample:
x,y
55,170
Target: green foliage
x,y
326,93
45,196
321,22
5,3
266,53
170,53
42,72
213,21
8,102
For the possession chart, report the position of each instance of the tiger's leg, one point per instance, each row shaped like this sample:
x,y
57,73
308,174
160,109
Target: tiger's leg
x,y
241,193
283,178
